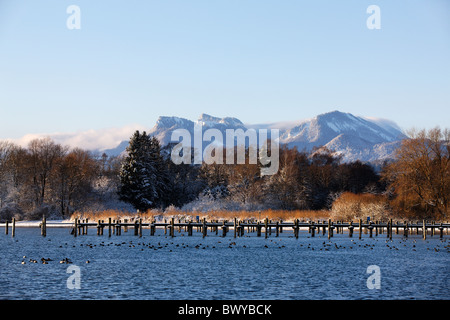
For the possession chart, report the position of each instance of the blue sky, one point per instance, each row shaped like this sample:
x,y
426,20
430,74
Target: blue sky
x,y
257,60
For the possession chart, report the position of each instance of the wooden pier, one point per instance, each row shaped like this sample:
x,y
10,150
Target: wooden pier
x,y
268,227
252,226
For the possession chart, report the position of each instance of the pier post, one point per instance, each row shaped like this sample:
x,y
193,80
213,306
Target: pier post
x,y
13,231
441,231
329,229
204,228
258,229
224,229
44,226
266,222
370,227
152,228
277,230
172,227
360,228
189,228
6,227
135,227
296,227
109,227
350,229
424,230
405,231
235,227
140,227
75,227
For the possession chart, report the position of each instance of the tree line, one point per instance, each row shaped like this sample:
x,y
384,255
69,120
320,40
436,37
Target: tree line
x,y
48,178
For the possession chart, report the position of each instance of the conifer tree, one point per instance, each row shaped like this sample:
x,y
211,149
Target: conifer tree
x,y
143,175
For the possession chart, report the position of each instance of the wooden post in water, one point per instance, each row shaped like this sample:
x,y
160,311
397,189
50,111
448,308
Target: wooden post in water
x,y
424,230
109,227
13,231
266,222
152,228
360,228
6,227
204,228
75,227
329,229
389,229
441,231
135,227
235,227
370,227
172,227
86,226
296,227
140,227
224,229
405,231
277,230
350,229
313,230
44,226
189,228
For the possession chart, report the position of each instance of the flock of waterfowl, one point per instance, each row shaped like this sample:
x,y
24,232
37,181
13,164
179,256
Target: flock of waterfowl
x,y
272,243
47,260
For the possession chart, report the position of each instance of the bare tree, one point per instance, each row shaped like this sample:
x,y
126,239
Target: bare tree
x,y
420,177
43,154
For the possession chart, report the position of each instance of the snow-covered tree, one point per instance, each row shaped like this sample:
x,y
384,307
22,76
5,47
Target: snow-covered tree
x,y
143,175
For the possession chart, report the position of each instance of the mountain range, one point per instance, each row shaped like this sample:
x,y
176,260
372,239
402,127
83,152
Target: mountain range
x,y
351,137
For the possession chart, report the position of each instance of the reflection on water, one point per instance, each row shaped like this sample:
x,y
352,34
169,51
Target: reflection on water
x,y
160,267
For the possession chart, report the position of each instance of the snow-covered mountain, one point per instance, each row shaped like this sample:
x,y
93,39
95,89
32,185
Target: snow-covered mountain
x,y
355,138
352,137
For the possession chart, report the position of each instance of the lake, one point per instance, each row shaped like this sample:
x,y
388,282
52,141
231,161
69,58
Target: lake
x,y
215,268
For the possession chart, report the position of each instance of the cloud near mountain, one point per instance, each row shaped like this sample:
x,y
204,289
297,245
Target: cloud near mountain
x,y
95,140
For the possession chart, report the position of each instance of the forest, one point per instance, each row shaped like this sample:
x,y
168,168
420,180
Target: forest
x,y
50,179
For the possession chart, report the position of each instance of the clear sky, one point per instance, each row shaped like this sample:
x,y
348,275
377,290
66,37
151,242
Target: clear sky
x,y
256,60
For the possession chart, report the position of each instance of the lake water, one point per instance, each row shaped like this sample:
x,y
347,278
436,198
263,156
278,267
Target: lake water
x,y
247,268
